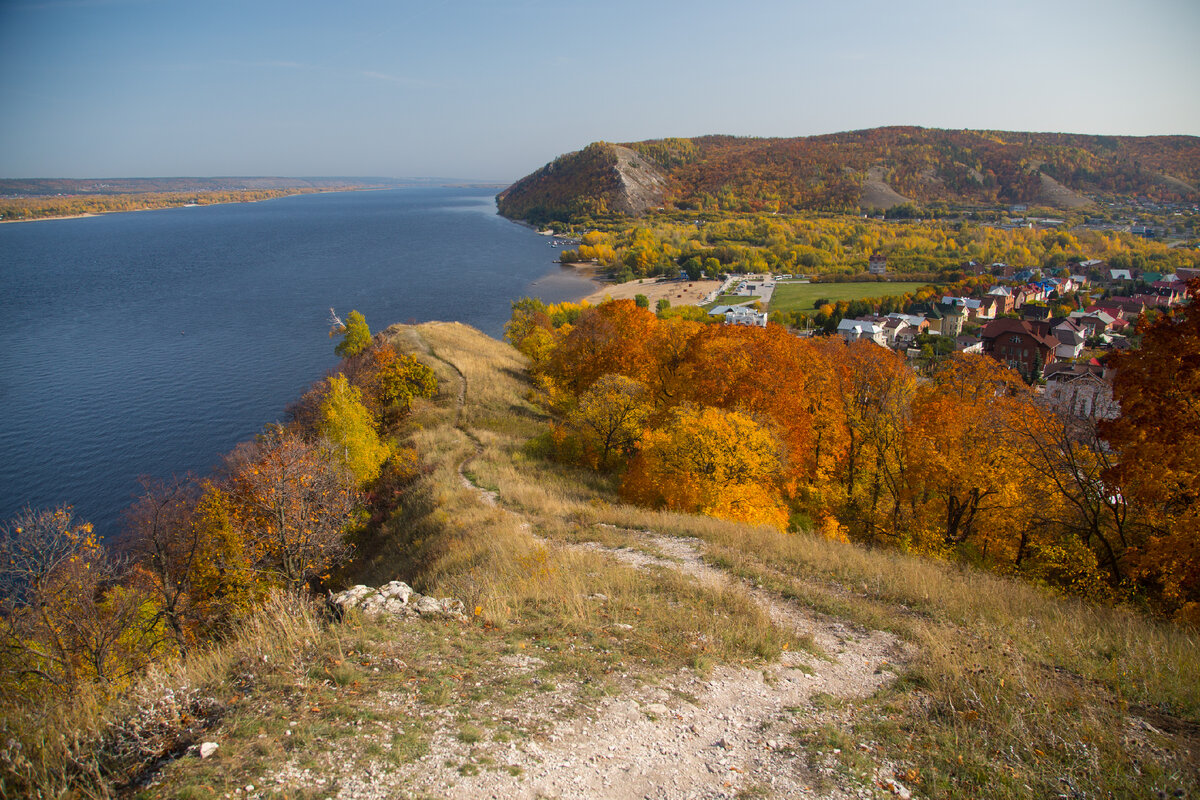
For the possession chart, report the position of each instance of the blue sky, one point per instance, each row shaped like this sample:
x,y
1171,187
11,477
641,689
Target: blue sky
x,y
492,90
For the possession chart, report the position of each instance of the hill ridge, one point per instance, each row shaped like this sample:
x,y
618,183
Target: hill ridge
x,y
853,170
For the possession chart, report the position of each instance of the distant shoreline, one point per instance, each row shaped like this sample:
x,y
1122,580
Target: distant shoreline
x,y
284,193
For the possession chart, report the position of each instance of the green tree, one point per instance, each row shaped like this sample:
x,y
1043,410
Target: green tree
x,y
642,301
355,335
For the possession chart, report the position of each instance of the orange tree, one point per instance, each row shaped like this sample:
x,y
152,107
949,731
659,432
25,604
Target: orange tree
x,y
1157,439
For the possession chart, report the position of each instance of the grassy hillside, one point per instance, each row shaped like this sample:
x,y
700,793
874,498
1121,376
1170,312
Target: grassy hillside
x,y
615,651
603,631
873,168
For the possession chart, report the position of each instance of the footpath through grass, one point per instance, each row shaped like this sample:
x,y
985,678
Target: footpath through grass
x,y
801,296
1011,693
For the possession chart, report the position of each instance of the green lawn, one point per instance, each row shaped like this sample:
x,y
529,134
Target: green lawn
x,y
800,296
730,300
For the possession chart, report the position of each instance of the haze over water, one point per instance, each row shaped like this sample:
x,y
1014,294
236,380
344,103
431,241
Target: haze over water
x,y
152,342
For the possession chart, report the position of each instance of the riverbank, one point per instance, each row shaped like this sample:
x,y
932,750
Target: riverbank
x,y
47,208
678,293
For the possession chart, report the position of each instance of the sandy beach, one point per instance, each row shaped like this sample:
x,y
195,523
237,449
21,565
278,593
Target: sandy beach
x,y
679,293
44,219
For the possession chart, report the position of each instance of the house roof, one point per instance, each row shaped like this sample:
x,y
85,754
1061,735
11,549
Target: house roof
x,y
1066,336
1000,327
1066,372
859,326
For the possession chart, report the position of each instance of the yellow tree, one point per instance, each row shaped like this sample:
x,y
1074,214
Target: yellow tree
x,y
65,618
609,420
400,379
872,388
720,463
964,468
350,430
225,581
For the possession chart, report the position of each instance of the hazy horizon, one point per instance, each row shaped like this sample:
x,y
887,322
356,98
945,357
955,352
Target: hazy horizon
x,y
488,92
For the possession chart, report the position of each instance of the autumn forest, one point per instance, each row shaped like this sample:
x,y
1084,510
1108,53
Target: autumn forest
x,y
759,426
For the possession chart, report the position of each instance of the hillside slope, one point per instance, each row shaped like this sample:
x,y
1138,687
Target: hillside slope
x,y
617,652
869,169
600,179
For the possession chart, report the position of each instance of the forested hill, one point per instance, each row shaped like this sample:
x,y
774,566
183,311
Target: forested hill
x,y
875,168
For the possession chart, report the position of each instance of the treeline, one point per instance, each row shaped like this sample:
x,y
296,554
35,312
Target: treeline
x,y
198,554
759,426
25,208
829,247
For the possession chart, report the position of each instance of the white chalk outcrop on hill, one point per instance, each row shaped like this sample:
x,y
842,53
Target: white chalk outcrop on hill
x,y
397,599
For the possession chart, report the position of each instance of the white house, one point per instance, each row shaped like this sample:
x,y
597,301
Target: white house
x,y
742,315
854,329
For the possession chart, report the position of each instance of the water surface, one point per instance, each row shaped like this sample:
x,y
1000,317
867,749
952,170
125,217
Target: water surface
x,y
152,342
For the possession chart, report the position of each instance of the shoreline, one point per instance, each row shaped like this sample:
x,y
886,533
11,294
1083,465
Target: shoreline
x,y
678,293
88,214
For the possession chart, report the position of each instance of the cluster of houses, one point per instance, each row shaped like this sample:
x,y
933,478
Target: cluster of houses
x,y
1015,327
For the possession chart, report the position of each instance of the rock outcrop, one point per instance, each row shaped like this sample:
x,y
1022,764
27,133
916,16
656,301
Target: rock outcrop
x,y
397,599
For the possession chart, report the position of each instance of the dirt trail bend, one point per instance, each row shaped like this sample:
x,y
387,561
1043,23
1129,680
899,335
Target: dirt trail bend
x,y
725,734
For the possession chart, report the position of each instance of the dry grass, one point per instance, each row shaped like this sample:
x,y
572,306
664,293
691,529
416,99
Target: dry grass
x,y
1013,692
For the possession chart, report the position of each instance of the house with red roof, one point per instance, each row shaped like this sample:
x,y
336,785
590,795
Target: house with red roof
x,y
1025,346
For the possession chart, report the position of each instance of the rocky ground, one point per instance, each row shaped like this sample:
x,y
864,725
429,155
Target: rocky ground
x,y
728,733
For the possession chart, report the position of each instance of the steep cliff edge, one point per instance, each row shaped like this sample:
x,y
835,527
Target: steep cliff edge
x,y
600,179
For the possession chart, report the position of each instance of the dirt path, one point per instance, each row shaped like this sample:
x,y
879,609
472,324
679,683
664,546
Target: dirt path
x,y
719,735
725,734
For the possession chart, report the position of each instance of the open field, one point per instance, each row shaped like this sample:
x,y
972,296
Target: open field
x,y
801,296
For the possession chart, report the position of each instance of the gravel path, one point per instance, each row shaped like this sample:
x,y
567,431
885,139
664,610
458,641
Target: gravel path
x,y
717,736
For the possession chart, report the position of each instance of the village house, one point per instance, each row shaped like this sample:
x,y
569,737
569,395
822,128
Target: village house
x,y
1035,311
946,320
991,307
1071,337
1173,290
1125,307
1093,322
852,330
742,315
902,329
1004,299
877,264
968,344
1081,390
1025,346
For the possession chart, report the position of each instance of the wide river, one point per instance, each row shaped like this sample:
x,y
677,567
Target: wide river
x,y
150,343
